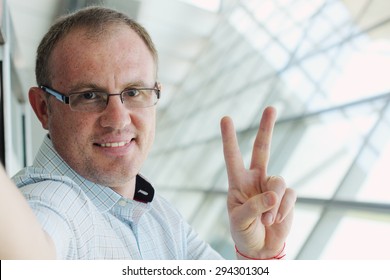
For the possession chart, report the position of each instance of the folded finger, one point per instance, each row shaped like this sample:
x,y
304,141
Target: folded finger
x,y
286,205
277,185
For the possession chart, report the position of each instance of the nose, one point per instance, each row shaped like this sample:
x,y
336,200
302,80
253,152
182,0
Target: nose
x,y
115,115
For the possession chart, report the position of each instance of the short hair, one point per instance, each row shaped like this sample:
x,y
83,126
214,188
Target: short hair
x,y
94,19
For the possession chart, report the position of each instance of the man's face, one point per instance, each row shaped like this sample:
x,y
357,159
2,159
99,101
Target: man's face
x,y
118,60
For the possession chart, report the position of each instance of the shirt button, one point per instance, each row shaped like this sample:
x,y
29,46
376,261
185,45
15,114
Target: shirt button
x,y
122,203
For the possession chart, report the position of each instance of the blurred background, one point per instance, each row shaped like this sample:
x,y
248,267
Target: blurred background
x,y
325,66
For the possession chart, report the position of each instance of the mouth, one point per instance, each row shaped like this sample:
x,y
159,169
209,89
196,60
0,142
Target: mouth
x,y
114,144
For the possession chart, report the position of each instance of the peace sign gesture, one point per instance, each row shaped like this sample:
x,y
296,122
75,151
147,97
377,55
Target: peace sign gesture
x,y
260,207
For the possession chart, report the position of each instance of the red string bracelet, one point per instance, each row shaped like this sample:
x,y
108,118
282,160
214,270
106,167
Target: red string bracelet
x,y
279,256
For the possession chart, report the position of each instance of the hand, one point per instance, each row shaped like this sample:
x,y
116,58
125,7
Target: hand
x,y
260,207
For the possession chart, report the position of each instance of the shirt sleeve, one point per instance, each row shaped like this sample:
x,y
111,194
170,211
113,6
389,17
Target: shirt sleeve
x,y
56,226
54,204
198,249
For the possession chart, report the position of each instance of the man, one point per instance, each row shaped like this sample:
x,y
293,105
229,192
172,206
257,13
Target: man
x,y
97,90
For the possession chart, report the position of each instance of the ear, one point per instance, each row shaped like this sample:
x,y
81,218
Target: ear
x,y
39,104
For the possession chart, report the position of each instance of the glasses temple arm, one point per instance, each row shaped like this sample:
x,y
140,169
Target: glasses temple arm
x,y
57,95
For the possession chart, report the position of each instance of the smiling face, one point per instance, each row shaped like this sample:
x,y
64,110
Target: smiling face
x,y
108,147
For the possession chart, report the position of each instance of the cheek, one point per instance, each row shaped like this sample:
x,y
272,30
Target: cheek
x,y
152,126
146,121
65,125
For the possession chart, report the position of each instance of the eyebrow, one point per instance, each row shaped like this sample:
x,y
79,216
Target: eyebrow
x,y
138,84
80,87
93,86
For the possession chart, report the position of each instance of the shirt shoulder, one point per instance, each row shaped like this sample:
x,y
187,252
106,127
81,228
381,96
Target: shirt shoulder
x,y
56,190
63,209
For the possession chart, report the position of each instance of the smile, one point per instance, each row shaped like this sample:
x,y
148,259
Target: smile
x,y
113,144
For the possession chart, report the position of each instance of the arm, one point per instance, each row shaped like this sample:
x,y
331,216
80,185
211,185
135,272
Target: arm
x,y
260,206
21,236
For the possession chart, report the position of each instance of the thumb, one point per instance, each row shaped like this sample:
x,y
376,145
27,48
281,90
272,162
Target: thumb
x,y
245,214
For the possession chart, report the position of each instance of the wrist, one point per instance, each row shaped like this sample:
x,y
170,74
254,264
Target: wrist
x,y
279,256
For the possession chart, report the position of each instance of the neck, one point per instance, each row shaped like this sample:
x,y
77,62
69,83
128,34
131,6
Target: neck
x,y
127,190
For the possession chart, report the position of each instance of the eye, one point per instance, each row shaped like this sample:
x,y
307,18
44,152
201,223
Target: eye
x,y
90,95
87,97
131,92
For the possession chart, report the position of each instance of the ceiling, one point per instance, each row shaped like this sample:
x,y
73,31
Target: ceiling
x,y
179,28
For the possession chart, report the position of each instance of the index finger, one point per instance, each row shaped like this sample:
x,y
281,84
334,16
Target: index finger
x,y
262,145
231,150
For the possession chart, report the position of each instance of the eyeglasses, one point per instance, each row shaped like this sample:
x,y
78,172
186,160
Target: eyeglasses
x,y
97,101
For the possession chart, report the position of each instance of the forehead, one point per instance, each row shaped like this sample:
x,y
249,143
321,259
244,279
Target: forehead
x,y
114,53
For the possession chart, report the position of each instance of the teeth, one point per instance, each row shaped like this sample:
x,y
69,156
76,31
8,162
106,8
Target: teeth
x,y
114,144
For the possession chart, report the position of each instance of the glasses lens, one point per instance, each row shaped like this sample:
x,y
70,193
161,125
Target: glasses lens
x,y
88,101
139,98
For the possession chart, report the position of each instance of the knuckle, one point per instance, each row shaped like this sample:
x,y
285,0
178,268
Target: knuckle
x,y
278,179
276,183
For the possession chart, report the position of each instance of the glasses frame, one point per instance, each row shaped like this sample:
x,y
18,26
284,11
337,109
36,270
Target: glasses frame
x,y
66,98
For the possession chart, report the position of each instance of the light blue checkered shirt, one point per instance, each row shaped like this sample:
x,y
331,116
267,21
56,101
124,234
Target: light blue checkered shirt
x,y
91,221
